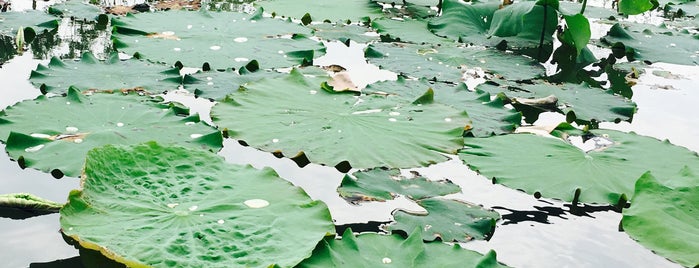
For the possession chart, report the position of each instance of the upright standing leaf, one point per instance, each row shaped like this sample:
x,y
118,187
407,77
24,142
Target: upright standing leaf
x,y
156,206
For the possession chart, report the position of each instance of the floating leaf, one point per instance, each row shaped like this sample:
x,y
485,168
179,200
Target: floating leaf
x,y
179,207
666,219
54,134
489,117
554,168
22,206
343,32
384,184
324,10
446,63
10,22
668,46
215,84
295,114
466,23
185,36
409,30
76,9
111,74
448,220
375,250
579,102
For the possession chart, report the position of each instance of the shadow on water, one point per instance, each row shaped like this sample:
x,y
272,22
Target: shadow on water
x,y
542,213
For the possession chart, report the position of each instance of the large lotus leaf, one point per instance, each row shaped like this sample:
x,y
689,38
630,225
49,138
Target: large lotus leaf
x,y
686,8
215,84
669,46
555,168
634,7
448,62
465,22
385,184
159,206
111,74
448,220
343,32
10,22
666,219
22,206
296,114
406,30
76,9
54,134
188,37
376,250
324,10
430,3
489,117
524,24
579,102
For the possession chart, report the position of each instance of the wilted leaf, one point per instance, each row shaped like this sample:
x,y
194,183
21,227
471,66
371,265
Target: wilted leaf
x,y
152,205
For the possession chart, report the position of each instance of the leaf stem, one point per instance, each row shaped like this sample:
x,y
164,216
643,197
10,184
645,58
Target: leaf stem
x,y
543,33
582,10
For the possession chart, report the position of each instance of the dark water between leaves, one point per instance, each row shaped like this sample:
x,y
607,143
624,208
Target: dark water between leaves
x,y
532,233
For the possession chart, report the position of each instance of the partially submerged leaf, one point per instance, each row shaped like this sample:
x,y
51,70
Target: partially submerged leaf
x,y
22,206
185,36
54,134
447,220
665,219
112,74
294,114
183,207
383,184
554,168
376,250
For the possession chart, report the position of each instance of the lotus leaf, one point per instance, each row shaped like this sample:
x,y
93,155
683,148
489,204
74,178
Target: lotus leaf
x,y
489,117
408,30
467,23
669,46
76,9
54,134
666,219
382,184
215,84
376,250
22,206
7,48
10,22
158,206
446,63
343,32
296,114
678,8
111,74
634,7
430,3
555,168
324,10
448,220
185,36
579,102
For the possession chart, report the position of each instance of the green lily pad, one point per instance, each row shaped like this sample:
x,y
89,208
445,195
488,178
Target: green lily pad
x,y
296,114
446,63
669,46
216,85
448,220
666,219
466,23
39,21
376,250
23,206
579,102
54,134
407,30
385,184
429,3
324,10
186,36
489,117
76,9
554,168
179,207
634,7
343,32
111,74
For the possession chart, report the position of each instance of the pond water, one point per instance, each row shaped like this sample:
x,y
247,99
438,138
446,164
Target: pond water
x,y
533,232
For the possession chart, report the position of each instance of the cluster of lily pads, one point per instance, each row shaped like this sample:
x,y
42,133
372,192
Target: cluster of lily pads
x,y
149,170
